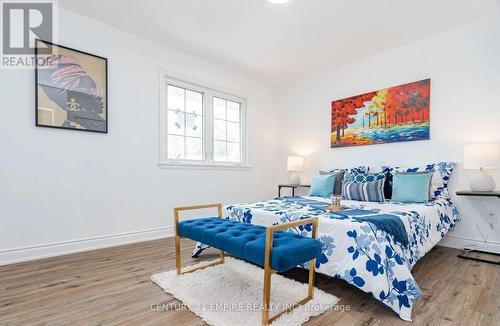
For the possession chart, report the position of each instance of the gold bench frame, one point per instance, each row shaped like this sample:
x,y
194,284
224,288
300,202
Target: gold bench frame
x,y
266,320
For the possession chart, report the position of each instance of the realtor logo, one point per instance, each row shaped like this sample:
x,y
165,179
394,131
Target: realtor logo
x,y
23,23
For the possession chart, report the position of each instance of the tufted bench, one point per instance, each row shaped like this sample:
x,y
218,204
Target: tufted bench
x,y
247,241
269,247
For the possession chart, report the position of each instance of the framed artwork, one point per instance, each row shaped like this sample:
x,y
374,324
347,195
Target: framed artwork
x,y
396,114
71,89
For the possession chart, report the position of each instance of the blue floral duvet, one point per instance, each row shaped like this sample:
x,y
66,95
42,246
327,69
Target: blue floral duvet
x,y
359,250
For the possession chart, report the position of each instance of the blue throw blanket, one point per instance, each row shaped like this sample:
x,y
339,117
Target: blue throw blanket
x,y
386,222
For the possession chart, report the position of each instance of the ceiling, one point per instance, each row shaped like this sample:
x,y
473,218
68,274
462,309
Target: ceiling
x,y
279,43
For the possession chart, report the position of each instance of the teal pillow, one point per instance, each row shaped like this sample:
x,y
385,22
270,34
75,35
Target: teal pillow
x,y
322,185
411,187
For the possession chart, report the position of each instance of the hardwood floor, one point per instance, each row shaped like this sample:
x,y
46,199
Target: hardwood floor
x,y
111,287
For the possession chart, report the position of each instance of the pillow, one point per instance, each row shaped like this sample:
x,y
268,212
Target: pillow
x,y
445,170
389,172
366,191
441,176
360,177
361,169
411,187
339,179
322,185
339,176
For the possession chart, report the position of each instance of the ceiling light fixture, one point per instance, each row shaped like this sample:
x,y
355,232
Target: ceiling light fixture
x,y
279,2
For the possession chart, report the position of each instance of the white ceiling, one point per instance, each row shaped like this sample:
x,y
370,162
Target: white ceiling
x,y
277,43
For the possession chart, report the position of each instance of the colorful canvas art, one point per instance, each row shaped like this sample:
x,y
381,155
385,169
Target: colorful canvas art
x,y
396,114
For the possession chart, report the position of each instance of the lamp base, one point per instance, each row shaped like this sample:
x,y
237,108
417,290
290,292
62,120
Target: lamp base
x,y
294,179
482,181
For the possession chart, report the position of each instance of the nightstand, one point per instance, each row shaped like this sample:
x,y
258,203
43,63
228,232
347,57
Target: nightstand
x,y
463,253
293,187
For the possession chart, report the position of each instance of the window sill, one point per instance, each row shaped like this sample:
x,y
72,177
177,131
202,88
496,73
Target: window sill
x,y
203,166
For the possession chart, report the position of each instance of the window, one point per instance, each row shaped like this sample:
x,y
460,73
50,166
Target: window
x,y
227,130
185,124
201,127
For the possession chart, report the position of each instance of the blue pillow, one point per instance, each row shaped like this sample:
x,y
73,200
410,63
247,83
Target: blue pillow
x,y
411,187
363,191
322,185
439,181
337,183
361,177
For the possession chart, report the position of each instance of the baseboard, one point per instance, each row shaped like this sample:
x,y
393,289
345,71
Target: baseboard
x,y
16,255
460,243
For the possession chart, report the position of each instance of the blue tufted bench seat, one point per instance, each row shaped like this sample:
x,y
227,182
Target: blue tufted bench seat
x,y
269,247
248,242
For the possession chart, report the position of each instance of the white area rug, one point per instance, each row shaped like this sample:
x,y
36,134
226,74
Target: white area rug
x,y
231,294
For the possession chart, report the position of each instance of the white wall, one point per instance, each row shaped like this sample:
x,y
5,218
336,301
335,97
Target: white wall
x,y
464,66
63,191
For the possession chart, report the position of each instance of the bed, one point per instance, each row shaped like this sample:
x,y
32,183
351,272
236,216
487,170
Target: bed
x,y
373,246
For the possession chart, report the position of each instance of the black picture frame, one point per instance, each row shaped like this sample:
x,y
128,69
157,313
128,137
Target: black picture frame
x,y
37,78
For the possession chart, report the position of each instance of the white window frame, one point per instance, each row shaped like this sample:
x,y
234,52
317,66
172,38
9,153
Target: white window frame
x,y
208,135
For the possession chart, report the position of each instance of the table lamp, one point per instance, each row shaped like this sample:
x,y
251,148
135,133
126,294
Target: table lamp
x,y
295,164
481,157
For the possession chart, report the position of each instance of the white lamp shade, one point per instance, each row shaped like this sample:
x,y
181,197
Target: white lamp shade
x,y
295,163
481,156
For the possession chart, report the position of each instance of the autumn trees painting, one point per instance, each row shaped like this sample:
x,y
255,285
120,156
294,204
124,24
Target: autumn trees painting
x,y
395,114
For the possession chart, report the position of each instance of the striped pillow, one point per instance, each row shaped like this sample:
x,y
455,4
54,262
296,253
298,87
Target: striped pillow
x,y
367,191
